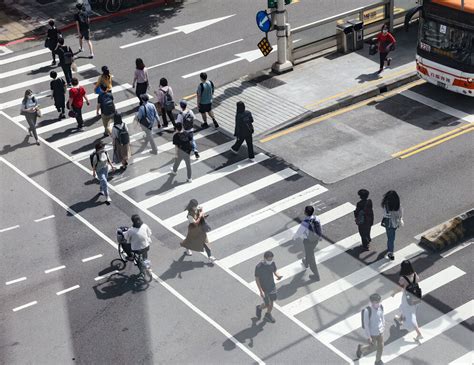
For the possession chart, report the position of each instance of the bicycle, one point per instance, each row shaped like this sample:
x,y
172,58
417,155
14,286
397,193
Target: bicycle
x,y
144,265
110,6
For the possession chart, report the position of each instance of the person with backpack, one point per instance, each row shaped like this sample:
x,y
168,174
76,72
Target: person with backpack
x,y
183,148
105,102
77,95
100,162
386,43
104,79
373,323
83,27
140,79
52,38
264,272
392,219
186,118
310,233
30,109
364,217
205,91
120,142
146,117
66,58
408,282
165,102
58,86
243,130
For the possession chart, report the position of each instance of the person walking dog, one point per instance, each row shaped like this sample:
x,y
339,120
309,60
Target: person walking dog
x,y
392,219
364,217
243,129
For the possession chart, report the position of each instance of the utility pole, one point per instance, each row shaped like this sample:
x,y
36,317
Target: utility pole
x,y
283,64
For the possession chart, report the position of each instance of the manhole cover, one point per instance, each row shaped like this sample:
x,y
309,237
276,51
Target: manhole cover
x,y
45,2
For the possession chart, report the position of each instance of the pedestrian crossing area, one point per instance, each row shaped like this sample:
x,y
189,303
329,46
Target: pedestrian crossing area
x,y
254,206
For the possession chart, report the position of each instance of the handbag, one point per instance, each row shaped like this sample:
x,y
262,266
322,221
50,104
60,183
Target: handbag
x,y
71,114
98,90
205,226
39,114
385,222
74,67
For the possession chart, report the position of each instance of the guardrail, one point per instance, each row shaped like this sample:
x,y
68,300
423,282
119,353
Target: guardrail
x,y
373,16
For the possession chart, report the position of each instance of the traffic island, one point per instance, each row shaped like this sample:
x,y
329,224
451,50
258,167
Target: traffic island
x,y
450,233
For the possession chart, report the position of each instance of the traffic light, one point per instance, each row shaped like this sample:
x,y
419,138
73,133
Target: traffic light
x,y
274,3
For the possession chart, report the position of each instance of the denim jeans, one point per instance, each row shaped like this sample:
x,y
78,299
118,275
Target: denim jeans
x,y
390,238
102,175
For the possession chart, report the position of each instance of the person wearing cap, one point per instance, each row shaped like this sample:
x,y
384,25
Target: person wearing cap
x,y
147,116
364,217
186,118
374,327
264,272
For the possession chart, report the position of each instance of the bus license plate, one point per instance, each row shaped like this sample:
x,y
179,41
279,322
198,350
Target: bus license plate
x,y
441,84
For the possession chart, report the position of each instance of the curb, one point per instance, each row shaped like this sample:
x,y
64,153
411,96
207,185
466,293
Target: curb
x,y
96,19
349,100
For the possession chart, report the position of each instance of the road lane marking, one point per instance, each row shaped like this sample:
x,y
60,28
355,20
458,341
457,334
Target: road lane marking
x,y
345,283
339,112
68,290
195,54
17,71
15,281
92,258
9,228
24,306
44,218
434,328
466,359
106,275
4,51
54,269
24,56
455,249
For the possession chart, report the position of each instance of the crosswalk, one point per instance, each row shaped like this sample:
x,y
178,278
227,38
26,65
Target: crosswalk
x,y
253,205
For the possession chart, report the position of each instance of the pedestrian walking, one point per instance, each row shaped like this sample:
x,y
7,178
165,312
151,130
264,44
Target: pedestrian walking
x,y
52,38
373,323
147,116
100,161
264,272
165,102
364,217
140,79
392,219
83,27
105,103
243,129
310,233
77,95
205,92
121,142
186,118
386,43
411,298
104,79
139,236
58,86
66,58
196,238
30,109
183,148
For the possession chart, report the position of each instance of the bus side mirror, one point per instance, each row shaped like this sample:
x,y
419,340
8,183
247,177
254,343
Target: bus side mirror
x,y
410,13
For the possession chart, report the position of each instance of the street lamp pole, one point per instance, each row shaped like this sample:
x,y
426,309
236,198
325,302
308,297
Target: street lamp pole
x,y
283,64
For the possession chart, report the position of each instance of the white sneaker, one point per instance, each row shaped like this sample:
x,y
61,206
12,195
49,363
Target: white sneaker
x,y
189,180
91,56
188,253
80,50
107,199
172,172
212,259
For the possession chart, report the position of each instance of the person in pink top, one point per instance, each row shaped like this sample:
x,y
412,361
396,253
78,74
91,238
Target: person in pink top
x,y
166,104
140,79
386,43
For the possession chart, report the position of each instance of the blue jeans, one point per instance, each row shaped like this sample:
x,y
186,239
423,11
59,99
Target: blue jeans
x,y
390,238
102,175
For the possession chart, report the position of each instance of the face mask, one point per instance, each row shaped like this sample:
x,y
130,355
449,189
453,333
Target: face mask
x,y
268,262
375,305
385,31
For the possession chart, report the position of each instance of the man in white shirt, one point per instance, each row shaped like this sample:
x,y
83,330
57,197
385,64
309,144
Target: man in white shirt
x,y
139,236
373,322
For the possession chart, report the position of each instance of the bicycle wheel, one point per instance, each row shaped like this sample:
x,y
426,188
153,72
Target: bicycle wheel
x,y
122,254
112,6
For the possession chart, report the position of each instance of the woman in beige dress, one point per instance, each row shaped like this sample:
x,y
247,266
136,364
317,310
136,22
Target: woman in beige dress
x,y
121,142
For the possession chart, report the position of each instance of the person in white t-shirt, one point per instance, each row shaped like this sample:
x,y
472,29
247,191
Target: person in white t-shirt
x,y
139,236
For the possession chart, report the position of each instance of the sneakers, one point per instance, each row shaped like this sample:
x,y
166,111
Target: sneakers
x,y
204,125
154,152
359,351
212,259
196,155
108,200
418,338
172,172
269,318
380,362
80,50
101,192
62,116
216,125
303,262
398,321
258,312
80,129
389,60
233,151
188,252
37,143
53,63
390,256
91,56
189,180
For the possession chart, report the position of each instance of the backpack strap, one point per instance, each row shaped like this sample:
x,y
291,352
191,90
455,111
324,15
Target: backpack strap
x,y
408,280
369,309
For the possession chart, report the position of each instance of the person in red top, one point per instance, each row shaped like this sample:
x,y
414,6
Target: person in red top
x,y
77,95
386,42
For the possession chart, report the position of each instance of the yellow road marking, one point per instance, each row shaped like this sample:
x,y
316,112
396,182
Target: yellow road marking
x,y
364,86
189,96
340,111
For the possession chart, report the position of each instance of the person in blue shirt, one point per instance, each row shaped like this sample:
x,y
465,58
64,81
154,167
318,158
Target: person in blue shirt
x,y
146,117
204,93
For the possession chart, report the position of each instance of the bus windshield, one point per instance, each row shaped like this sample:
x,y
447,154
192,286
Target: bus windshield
x,y
448,41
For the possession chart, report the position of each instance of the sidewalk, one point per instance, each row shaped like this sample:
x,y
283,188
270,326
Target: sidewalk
x,y
315,87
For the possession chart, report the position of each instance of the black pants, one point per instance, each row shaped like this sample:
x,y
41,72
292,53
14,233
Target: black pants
x,y
143,252
248,140
79,120
140,90
170,115
67,73
383,57
310,261
364,231
208,250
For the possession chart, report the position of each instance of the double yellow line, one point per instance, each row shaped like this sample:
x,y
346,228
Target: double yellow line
x,y
434,141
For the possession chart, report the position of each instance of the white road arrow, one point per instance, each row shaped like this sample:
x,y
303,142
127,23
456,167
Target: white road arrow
x,y
186,29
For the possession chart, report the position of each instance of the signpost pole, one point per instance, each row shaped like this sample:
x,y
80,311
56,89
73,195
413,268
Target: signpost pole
x,y
283,64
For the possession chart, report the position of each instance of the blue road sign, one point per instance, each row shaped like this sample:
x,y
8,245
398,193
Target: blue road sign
x,y
263,21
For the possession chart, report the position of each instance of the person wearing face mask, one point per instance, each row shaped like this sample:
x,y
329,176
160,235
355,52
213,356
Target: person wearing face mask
x,y
30,109
373,323
264,272
386,43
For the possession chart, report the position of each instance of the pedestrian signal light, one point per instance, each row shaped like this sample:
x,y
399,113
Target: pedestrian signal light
x,y
264,46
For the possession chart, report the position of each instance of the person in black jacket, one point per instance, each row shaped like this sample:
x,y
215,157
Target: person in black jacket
x,y
243,129
52,38
364,217
66,58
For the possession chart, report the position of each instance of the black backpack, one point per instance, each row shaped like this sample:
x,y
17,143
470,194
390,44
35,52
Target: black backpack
x,y
68,56
123,136
188,121
185,142
360,218
369,308
145,121
314,230
169,102
91,158
413,291
107,104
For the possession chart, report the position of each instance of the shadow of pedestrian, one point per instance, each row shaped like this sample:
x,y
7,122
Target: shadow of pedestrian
x,y
368,77
9,148
179,266
81,206
247,334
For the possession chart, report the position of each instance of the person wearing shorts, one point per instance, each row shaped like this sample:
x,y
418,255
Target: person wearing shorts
x,y
264,272
204,93
83,27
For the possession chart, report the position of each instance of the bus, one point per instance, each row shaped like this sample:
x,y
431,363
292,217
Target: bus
x,y
445,50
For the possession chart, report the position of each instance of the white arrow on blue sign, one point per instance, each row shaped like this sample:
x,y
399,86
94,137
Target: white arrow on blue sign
x,y
263,21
